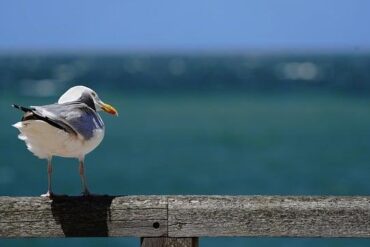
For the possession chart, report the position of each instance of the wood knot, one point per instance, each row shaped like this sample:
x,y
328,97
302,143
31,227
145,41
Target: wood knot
x,y
156,225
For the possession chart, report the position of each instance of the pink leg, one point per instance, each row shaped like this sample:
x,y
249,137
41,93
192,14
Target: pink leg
x,y
85,190
49,193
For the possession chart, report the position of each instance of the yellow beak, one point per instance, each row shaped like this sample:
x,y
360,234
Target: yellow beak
x,y
110,109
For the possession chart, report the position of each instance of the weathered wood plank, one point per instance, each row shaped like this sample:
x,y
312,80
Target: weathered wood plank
x,y
169,242
268,216
83,216
185,216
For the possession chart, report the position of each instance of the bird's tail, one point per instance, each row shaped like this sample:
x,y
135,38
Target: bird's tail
x,y
22,108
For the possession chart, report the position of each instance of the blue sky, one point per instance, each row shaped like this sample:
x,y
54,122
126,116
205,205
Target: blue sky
x,y
191,25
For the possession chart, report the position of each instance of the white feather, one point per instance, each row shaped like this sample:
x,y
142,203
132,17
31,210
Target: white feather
x,y
44,140
73,94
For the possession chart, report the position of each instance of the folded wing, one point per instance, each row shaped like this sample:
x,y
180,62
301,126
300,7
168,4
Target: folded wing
x,y
73,117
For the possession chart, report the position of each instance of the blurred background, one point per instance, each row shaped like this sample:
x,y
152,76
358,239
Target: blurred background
x,y
215,97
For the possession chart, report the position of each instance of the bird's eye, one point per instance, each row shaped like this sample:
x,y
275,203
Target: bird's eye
x,y
93,94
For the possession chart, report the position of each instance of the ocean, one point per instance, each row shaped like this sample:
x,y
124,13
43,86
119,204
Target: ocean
x,y
298,129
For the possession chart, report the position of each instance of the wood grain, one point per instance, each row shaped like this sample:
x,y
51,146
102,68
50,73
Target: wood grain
x,y
273,216
185,216
95,216
169,242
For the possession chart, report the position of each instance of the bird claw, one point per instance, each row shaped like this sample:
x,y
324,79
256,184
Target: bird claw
x,y
86,193
48,194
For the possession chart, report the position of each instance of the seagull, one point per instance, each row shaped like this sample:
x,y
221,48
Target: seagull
x,y
70,128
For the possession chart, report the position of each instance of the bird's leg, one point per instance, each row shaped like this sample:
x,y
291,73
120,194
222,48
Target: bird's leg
x,y
49,193
85,191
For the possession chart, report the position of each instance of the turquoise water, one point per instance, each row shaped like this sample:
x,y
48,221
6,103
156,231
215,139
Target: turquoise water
x,y
237,143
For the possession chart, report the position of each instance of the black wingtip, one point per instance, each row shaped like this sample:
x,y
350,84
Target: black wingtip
x,y
25,109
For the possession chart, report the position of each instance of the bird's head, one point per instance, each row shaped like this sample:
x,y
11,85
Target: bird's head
x,y
88,96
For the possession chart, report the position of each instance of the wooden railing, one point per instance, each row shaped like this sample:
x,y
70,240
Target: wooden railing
x,y
180,220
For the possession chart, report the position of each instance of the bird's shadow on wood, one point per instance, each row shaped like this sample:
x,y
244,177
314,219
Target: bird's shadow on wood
x,y
82,216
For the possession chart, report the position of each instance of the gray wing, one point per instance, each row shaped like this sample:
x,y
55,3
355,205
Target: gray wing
x,y
74,117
